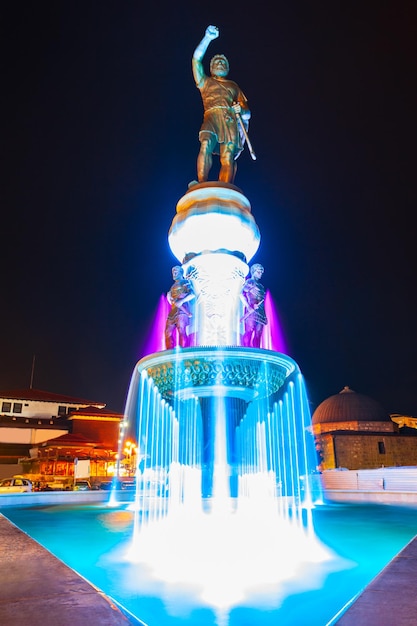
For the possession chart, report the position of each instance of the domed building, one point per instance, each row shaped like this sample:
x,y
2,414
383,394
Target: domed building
x,y
353,431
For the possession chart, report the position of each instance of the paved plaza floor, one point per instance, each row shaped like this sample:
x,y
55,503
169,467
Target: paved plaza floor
x,y
37,589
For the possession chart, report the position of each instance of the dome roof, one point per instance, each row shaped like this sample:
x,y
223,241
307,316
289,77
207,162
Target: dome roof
x,y
349,406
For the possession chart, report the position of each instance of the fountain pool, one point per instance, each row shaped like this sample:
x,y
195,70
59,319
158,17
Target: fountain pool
x,y
94,541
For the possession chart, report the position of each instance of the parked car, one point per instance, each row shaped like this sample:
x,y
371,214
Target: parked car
x,y
57,485
82,485
128,485
106,485
125,485
15,485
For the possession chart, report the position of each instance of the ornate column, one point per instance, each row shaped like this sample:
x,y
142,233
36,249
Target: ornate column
x,y
214,236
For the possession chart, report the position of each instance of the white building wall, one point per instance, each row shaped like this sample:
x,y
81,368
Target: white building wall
x,y
36,408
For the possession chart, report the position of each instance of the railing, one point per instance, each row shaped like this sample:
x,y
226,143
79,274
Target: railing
x,y
381,479
391,485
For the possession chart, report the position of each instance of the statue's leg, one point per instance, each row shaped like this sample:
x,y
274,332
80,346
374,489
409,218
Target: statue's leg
x,y
182,331
169,342
205,159
258,335
183,341
227,170
234,166
247,337
169,335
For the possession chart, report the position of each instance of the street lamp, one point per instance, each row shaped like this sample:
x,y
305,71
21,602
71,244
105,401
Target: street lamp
x,y
130,451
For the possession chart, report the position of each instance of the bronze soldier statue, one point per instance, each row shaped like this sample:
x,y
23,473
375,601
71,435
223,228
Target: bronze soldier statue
x,y
180,314
253,296
226,113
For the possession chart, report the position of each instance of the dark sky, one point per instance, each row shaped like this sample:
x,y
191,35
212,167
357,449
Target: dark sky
x,y
100,120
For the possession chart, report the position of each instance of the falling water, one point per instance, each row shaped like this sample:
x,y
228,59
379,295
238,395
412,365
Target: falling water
x,y
225,471
217,435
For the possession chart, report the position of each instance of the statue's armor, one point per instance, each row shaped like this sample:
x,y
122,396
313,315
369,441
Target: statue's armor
x,y
178,291
219,117
255,295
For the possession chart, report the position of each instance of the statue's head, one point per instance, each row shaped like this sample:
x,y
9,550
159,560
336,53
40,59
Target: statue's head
x,y
177,272
219,65
257,270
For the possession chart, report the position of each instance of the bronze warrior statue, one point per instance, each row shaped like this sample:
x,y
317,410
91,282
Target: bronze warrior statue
x,y
253,296
226,113
178,319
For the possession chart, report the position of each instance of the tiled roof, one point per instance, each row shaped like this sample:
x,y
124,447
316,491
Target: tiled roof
x,y
403,432
70,441
93,411
45,396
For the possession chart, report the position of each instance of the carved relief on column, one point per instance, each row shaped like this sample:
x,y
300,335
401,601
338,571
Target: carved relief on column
x,y
217,279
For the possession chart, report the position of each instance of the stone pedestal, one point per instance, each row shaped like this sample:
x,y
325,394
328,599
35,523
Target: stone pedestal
x,y
214,236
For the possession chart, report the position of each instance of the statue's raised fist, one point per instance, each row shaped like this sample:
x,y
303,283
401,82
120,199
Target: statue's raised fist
x,y
212,32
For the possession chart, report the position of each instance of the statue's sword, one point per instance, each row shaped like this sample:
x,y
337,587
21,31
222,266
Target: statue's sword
x,y
251,310
245,134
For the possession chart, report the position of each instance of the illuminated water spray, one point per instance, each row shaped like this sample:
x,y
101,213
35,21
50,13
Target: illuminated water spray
x,y
224,460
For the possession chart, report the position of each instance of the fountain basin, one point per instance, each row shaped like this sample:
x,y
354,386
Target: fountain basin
x,y
246,373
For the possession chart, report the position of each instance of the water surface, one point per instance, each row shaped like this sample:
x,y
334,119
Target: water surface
x,y
94,539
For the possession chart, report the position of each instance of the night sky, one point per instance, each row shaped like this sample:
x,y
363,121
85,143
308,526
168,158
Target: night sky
x,y
100,120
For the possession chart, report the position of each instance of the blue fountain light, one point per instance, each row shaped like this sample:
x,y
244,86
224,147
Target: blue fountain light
x,y
225,464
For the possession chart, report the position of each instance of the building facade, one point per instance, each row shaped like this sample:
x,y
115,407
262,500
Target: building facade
x,y
51,436
353,431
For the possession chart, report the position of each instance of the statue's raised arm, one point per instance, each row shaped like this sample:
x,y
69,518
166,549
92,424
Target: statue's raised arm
x,y
212,32
223,103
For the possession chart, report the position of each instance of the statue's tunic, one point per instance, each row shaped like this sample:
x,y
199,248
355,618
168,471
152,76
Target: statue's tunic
x,y
218,95
179,290
255,294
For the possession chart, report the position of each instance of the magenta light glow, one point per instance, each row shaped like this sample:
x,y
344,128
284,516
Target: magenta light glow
x,y
156,338
273,336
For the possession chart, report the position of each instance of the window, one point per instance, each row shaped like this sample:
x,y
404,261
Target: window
x,y
6,407
381,447
17,407
62,410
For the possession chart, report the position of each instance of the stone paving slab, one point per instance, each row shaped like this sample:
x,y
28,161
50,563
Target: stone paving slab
x,y
390,599
37,589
